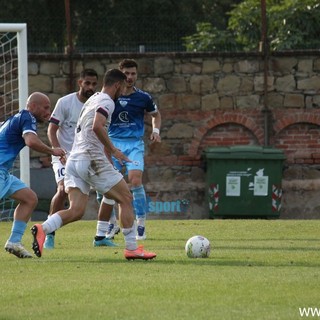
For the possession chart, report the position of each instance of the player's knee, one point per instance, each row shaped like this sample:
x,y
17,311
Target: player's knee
x,y
126,199
135,179
29,198
76,213
33,199
135,183
77,209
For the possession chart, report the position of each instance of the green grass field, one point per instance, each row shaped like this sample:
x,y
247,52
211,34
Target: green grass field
x,y
258,269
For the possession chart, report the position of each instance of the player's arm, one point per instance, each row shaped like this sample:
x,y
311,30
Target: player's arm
x,y
156,125
52,135
99,128
34,142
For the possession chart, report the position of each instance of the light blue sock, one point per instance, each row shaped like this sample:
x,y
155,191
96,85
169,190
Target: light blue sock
x,y
139,202
17,231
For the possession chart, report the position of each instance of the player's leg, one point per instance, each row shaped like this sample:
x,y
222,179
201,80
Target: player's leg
x,y
111,184
135,172
107,219
104,215
78,193
59,199
78,202
139,202
27,201
121,193
113,228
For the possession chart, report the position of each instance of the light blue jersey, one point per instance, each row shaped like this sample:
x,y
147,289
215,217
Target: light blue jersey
x,y
126,130
11,143
128,117
11,140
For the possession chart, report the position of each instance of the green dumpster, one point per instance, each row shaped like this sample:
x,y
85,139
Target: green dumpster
x,y
244,181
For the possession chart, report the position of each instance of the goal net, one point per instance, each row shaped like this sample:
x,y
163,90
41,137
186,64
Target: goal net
x,y
14,94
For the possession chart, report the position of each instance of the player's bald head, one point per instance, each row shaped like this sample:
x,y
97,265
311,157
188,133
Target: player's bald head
x,y
37,98
39,105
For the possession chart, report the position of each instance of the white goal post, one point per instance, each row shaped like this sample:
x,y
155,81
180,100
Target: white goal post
x,y
20,29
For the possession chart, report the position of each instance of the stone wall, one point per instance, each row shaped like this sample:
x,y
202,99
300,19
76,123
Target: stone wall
x,y
212,100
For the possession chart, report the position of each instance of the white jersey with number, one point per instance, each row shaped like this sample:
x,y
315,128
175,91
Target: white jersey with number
x,y
65,115
86,143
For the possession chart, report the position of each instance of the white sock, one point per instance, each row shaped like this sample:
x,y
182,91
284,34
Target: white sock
x,y
102,228
130,238
53,223
141,222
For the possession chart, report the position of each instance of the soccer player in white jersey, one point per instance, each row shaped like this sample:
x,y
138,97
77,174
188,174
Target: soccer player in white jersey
x,y
126,132
16,132
89,166
61,131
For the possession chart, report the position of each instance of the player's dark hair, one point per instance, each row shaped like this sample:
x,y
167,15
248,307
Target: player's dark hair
x,y
128,63
112,76
88,73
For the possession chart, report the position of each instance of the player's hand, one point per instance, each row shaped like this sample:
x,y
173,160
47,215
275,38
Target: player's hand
x,y
59,152
155,137
120,156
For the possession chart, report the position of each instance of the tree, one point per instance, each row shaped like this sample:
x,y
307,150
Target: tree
x,y
210,38
126,23
292,24
297,27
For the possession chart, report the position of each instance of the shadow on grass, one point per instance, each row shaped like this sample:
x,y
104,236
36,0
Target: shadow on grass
x,y
315,249
213,262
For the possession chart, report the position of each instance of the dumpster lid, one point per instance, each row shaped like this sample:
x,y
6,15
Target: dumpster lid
x,y
244,152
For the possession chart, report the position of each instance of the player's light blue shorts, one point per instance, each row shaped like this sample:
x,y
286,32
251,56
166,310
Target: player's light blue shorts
x,y
9,184
134,150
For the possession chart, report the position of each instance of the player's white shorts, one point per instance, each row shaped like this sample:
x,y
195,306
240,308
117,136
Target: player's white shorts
x,y
58,169
98,174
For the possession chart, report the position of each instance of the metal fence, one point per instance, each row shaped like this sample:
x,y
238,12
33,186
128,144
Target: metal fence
x,y
116,33
107,36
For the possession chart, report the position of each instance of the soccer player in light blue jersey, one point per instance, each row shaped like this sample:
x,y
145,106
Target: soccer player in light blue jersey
x,y
15,133
127,133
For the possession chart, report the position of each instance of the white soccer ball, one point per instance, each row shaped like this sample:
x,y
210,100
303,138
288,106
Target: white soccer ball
x,y
198,247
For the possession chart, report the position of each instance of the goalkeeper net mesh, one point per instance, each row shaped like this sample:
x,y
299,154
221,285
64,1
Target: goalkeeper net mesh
x,y
9,98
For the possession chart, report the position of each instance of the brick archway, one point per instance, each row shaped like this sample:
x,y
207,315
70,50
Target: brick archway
x,y
306,117
216,120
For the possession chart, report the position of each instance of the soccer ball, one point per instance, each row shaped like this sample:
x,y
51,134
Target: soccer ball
x,y
198,247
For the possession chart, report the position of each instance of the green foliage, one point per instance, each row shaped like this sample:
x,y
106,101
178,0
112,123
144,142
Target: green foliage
x,y
291,24
209,38
245,23
257,269
105,25
297,25
197,25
